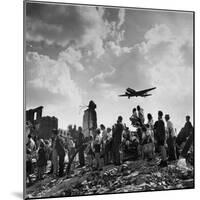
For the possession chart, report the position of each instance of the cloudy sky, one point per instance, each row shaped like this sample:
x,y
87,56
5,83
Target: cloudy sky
x,y
78,53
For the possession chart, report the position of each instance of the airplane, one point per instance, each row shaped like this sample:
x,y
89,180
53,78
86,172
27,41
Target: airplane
x,y
132,93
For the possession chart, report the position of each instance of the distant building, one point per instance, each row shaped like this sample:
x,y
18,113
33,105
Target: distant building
x,y
41,126
34,114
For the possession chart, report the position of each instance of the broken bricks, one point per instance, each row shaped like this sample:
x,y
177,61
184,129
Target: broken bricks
x,y
129,177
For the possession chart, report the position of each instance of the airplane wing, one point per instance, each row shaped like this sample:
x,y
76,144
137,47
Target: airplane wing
x,y
144,91
123,95
146,95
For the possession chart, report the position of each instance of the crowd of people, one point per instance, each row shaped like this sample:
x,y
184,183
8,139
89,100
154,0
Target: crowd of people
x,y
160,138
106,145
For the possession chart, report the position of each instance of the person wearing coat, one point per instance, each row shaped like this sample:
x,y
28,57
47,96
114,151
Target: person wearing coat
x,y
80,144
159,129
117,139
59,150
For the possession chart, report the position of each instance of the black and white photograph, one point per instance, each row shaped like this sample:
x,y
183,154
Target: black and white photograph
x,y
108,99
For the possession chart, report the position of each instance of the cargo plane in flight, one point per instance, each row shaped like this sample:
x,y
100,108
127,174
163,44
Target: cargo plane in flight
x,y
133,93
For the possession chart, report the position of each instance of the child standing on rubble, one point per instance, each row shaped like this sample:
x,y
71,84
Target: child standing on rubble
x,y
97,150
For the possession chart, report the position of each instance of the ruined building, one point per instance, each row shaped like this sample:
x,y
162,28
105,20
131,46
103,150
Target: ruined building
x,y
42,126
34,114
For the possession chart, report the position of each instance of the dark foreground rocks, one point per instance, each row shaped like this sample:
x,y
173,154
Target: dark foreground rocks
x,y
132,176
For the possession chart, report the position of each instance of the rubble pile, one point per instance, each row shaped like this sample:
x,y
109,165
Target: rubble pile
x,y
132,176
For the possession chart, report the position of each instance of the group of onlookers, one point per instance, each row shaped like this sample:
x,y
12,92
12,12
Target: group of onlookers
x,y
159,137
105,144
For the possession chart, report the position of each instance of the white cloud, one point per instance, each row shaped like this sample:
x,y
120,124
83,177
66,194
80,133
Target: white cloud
x,y
108,91
156,35
111,94
95,29
36,28
101,76
161,44
72,57
169,71
87,29
116,36
117,49
81,24
121,16
53,75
